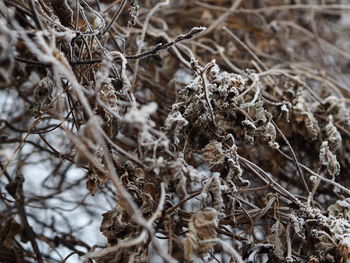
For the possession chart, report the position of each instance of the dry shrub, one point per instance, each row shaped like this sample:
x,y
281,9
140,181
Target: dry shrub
x,y
214,131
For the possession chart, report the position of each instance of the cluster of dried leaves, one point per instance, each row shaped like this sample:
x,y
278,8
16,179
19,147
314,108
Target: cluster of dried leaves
x,y
212,130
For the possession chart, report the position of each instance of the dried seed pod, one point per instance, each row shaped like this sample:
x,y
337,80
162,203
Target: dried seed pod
x,y
41,96
333,136
298,225
220,158
311,125
139,173
129,166
201,227
108,94
299,100
339,110
214,71
338,227
269,135
328,159
236,172
214,189
92,184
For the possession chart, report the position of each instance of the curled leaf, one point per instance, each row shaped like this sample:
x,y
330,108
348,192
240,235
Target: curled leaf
x,y
201,227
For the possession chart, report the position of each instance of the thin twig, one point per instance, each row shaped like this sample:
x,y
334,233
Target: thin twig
x,y
115,17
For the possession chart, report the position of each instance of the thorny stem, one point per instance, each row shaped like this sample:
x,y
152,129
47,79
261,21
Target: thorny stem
x,y
159,47
152,52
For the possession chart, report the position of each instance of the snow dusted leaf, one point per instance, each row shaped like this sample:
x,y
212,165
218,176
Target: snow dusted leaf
x,y
277,237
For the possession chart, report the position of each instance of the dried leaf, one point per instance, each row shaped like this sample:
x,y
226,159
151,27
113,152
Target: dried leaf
x,y
277,238
201,227
328,159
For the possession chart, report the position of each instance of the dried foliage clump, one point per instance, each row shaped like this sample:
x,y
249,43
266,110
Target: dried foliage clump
x,y
174,131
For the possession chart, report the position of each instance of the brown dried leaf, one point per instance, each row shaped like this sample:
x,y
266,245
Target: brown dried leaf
x,y
214,155
116,225
201,227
